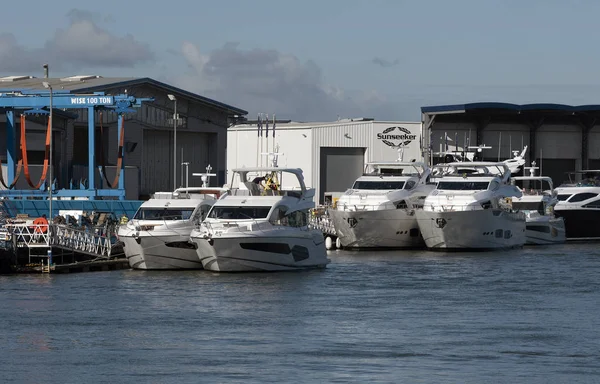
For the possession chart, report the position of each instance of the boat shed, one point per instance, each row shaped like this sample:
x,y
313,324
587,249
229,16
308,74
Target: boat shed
x,y
560,138
331,154
152,163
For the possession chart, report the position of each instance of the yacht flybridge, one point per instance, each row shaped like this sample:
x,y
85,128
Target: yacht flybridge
x,y
379,209
261,228
471,208
579,205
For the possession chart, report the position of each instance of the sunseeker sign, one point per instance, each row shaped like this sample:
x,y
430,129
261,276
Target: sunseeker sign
x,y
396,136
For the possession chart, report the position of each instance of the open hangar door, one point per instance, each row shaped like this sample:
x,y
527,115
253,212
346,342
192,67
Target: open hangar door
x,y
556,169
339,168
157,163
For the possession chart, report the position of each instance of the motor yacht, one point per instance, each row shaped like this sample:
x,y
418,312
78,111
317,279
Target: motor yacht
x,y
261,228
379,210
579,205
538,202
471,208
158,235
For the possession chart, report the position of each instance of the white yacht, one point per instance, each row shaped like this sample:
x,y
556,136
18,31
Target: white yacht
x,y
538,202
471,208
579,205
158,235
379,209
261,229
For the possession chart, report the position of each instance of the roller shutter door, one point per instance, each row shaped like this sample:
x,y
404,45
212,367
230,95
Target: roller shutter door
x,y
157,164
340,167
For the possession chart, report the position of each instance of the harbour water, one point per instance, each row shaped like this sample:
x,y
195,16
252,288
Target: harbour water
x,y
521,316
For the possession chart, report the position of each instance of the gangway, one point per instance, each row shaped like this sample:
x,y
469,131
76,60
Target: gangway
x,y
44,237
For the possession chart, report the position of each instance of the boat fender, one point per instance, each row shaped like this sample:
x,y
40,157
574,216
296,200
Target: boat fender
x,y
338,243
328,242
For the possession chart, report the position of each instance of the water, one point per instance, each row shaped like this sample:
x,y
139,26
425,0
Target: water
x,y
525,316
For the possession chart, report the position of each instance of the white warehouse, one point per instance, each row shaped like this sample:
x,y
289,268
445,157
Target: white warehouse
x,y
331,154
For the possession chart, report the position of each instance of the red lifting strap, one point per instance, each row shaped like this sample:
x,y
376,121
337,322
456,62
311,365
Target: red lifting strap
x,y
24,154
115,182
17,174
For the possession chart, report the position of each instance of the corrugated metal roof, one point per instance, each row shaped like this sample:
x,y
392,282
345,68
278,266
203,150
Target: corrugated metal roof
x,y
508,107
297,125
93,83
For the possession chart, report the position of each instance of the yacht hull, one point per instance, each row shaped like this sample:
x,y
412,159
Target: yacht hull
x,y
545,230
155,251
390,228
267,252
580,224
472,230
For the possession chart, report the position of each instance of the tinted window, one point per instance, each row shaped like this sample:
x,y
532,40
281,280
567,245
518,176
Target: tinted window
x,y
529,206
239,213
385,185
562,197
593,204
163,213
463,185
582,196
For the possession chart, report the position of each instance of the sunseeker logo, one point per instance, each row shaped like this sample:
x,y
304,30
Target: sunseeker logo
x,y
399,139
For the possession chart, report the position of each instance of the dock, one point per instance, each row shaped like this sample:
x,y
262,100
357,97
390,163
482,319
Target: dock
x,y
83,266
59,248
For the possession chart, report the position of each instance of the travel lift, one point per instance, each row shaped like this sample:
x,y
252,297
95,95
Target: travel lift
x,y
28,102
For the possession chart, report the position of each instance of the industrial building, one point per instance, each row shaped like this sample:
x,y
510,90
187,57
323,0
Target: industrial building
x,y
152,159
560,138
331,154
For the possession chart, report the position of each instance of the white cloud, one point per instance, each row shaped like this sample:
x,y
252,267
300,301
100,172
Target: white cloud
x,y
84,42
261,80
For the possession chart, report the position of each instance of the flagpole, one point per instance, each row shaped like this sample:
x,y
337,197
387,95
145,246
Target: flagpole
x,y
267,137
258,140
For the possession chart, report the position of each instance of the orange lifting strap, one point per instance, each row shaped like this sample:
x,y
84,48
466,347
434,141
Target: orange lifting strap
x,y
19,166
24,154
115,182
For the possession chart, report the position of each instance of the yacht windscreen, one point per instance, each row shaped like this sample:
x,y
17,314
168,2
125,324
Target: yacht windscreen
x,y
463,185
239,213
391,171
378,185
163,213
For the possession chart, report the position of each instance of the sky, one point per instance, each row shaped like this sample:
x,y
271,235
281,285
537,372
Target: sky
x,y
320,60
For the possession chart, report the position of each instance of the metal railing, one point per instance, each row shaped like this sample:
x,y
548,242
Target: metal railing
x,y
62,236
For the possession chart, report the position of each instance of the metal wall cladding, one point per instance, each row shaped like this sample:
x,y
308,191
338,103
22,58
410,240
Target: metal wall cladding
x,y
157,159
351,134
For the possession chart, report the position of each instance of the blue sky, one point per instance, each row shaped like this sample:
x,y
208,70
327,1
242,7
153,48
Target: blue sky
x,y
316,60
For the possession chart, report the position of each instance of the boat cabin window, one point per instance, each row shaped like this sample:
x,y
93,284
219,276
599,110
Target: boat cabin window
x,y
582,196
277,214
238,213
378,185
163,213
201,213
297,219
532,187
409,184
391,171
529,206
401,204
563,197
463,185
